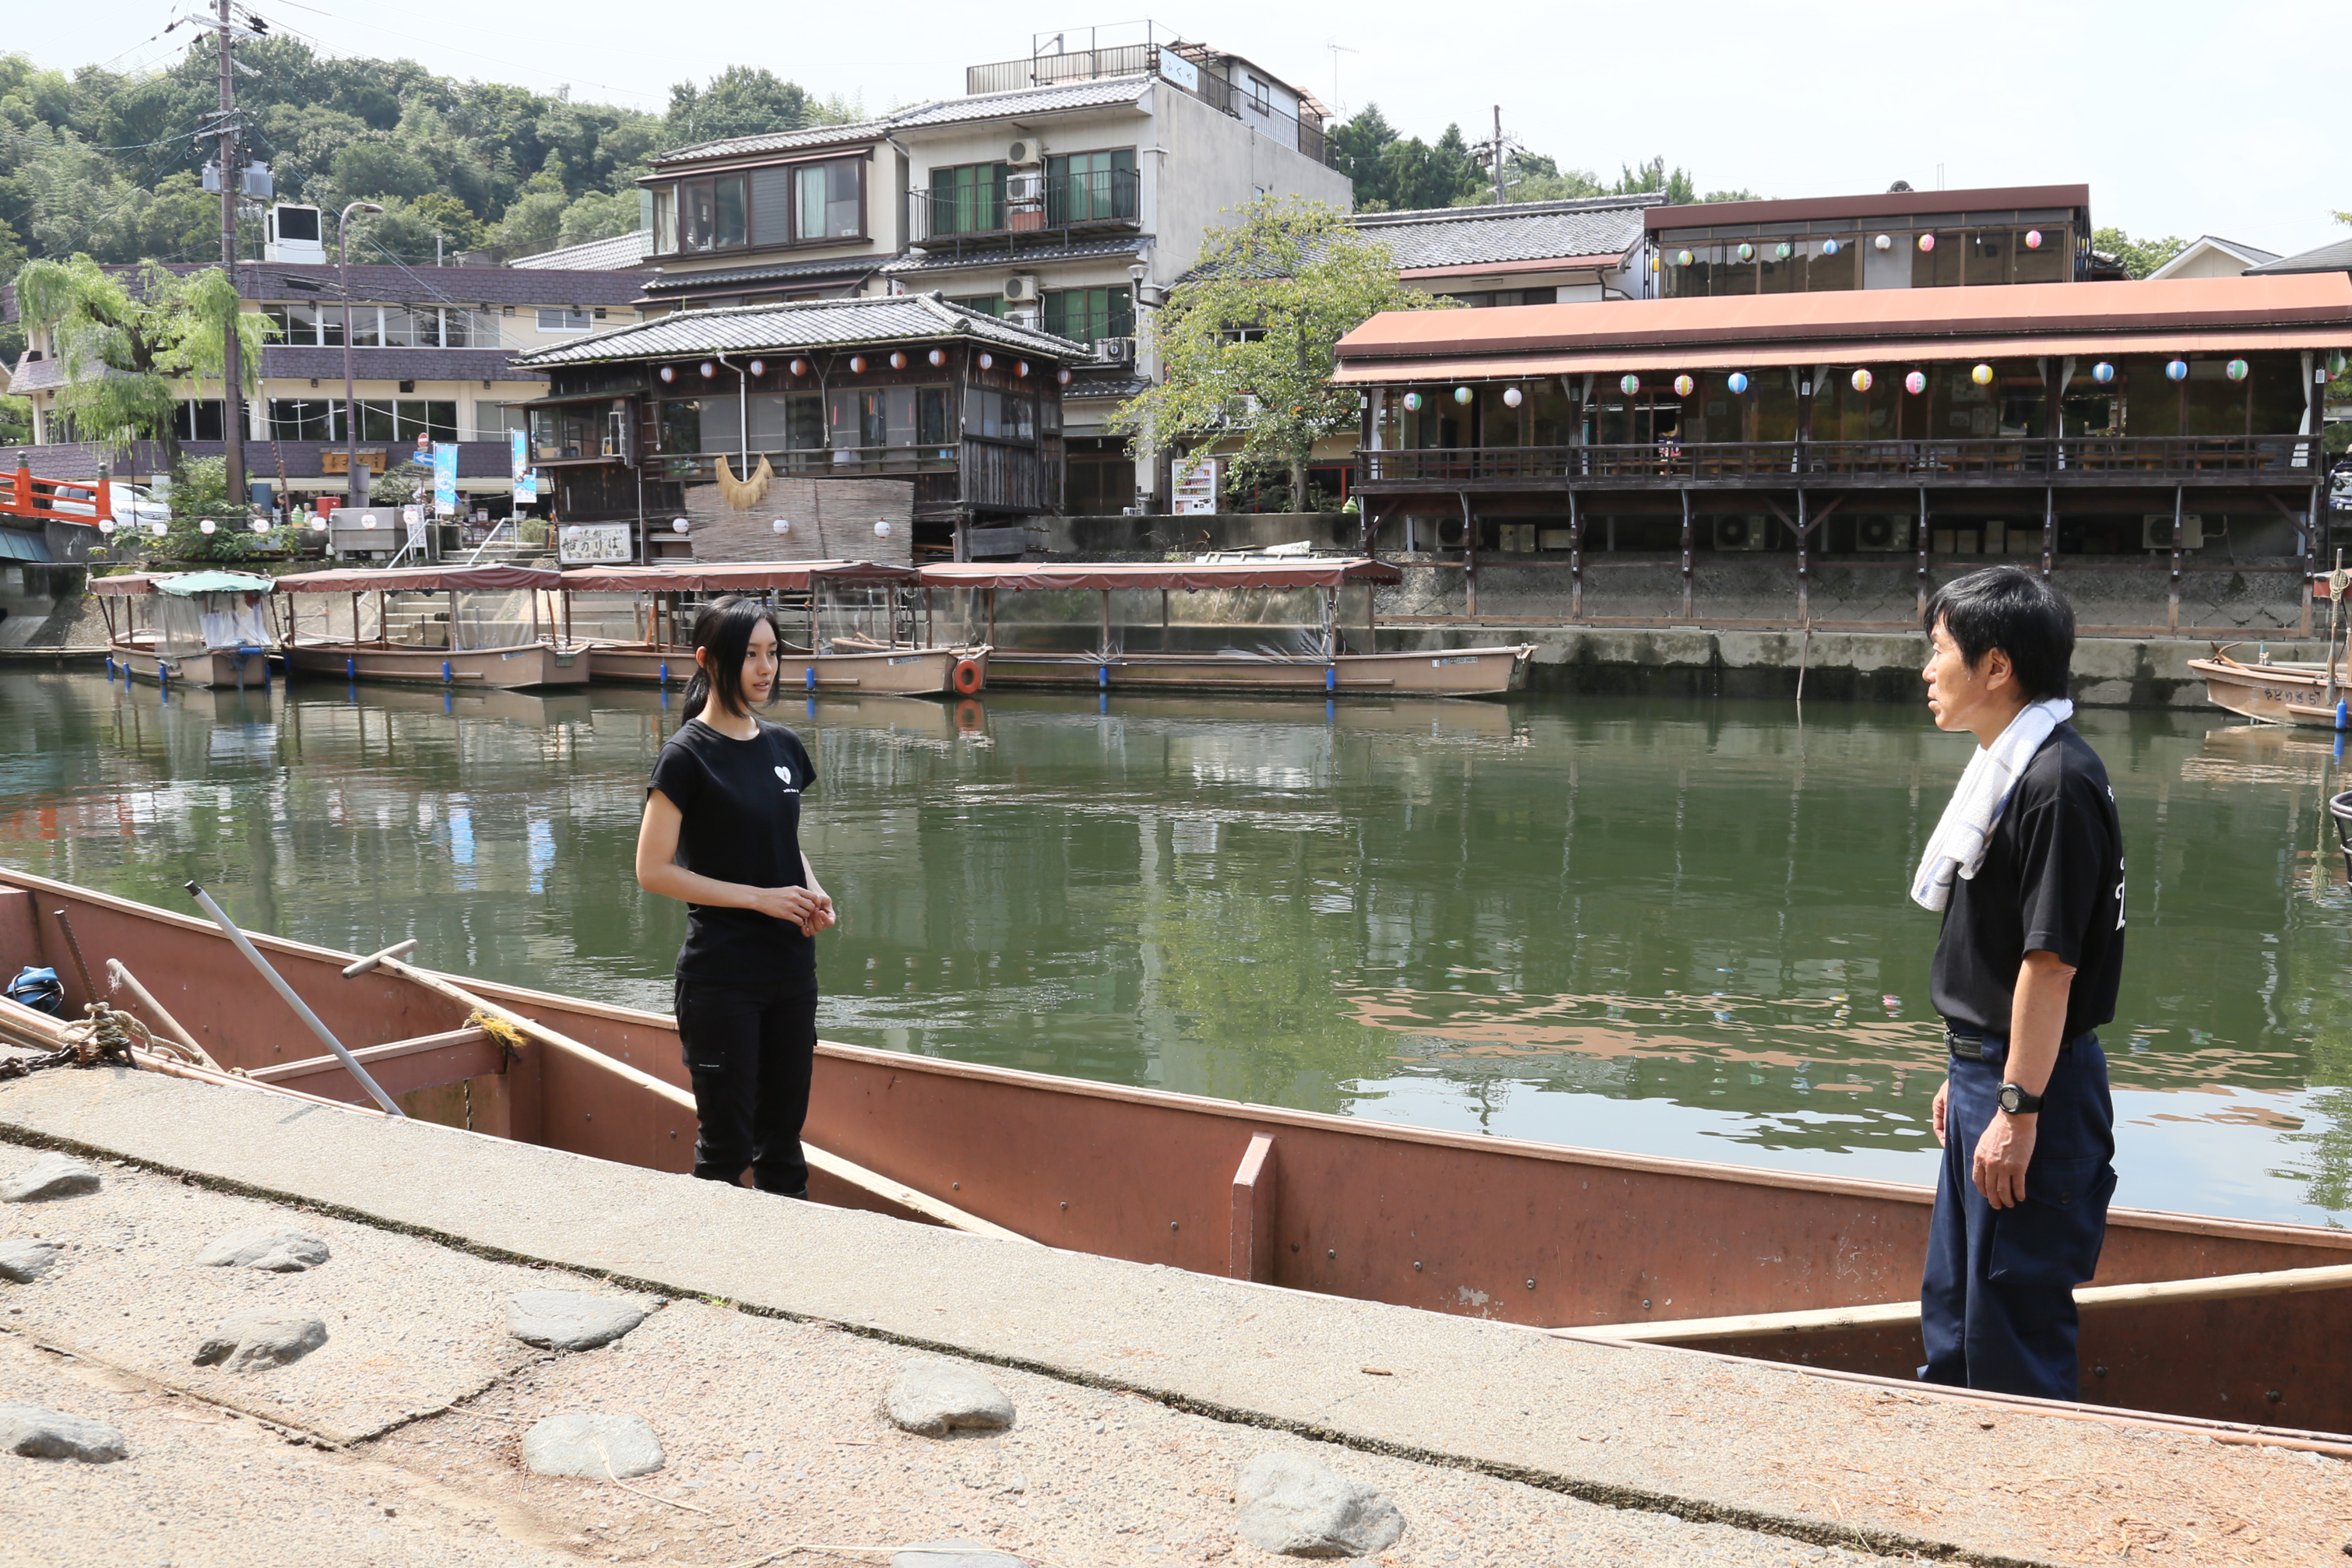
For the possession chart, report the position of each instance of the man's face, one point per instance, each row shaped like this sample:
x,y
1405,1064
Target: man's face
x,y
1957,695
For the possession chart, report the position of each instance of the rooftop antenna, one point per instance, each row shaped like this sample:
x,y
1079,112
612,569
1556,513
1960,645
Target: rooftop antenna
x,y
1338,106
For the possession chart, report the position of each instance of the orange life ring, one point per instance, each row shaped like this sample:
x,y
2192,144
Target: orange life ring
x,y
966,678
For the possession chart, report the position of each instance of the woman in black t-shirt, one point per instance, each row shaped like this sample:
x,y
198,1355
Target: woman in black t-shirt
x,y
721,832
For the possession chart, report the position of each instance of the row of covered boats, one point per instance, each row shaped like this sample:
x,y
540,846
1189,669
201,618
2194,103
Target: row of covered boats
x,y
1266,624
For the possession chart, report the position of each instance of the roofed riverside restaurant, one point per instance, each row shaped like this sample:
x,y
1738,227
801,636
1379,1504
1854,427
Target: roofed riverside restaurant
x,y
2148,432
887,429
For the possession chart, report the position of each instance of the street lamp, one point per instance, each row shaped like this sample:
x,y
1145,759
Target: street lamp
x,y
355,478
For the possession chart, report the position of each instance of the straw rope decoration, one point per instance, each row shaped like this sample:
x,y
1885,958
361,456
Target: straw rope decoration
x,y
744,494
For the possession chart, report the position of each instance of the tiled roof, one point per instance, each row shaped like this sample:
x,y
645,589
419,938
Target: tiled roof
x,y
386,283
2335,257
294,361
37,375
621,250
1092,386
806,324
835,266
1008,255
775,142
1521,231
1026,100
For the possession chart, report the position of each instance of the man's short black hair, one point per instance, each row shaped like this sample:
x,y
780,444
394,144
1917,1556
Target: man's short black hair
x,y
2008,608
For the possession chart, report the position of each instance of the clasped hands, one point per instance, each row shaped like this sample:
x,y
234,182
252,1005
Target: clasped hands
x,y
810,910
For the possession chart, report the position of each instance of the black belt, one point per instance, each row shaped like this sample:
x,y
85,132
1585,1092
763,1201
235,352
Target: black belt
x,y
1971,1047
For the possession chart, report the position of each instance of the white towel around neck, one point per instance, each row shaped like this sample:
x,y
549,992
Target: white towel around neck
x,y
1957,844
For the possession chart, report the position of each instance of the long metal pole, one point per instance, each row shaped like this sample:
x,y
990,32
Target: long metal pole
x,y
302,1008
232,346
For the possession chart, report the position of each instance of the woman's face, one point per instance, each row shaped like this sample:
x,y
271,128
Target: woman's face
x,y
759,664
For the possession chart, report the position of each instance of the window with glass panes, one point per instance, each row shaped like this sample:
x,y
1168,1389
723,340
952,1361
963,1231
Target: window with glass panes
x,y
404,419
967,199
709,213
1086,187
385,326
1083,315
200,419
983,304
826,202
305,419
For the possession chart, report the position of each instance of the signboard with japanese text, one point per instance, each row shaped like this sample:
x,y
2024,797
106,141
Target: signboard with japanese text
x,y
592,543
444,478
517,455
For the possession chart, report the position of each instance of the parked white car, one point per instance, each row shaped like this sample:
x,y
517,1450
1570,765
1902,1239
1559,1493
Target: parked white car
x,y
132,503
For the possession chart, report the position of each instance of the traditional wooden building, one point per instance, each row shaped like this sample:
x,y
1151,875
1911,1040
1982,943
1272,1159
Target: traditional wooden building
x,y
2172,425
791,431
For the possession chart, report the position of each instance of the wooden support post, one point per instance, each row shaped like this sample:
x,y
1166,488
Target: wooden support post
x,y
991,615
1469,554
1804,541
1575,561
1686,554
1251,1254
2172,598
1102,648
2049,530
1922,549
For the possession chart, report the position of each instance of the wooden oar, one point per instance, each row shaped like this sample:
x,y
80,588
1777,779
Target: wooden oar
x,y
833,1165
1899,1314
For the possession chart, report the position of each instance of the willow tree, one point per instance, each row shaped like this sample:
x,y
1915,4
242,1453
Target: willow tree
x,y
1247,342
126,341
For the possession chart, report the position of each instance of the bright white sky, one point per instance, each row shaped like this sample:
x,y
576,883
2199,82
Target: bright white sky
x,y
2184,118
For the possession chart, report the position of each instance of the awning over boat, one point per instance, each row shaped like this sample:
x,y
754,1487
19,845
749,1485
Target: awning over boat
x,y
187,585
420,580
1187,575
742,577
131,585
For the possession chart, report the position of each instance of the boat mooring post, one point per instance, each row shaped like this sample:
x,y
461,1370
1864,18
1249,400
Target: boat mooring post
x,y
302,1008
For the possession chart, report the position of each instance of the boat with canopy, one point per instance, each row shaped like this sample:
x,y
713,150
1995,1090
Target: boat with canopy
x,y
2228,1328
1267,623
457,625
855,627
200,628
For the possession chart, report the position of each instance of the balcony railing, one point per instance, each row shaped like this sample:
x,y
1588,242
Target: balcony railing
x,y
2295,459
1065,204
817,462
1139,59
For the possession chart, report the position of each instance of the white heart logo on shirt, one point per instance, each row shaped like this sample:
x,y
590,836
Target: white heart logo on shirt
x,y
785,774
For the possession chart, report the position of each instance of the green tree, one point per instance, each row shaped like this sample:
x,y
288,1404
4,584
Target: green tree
x,y
741,100
200,493
2140,257
1653,175
1246,348
125,341
1394,173
598,216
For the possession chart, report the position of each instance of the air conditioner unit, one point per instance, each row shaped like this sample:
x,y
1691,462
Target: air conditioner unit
x,y
1022,318
1020,189
1115,351
1021,288
1026,150
1882,535
1743,534
2156,531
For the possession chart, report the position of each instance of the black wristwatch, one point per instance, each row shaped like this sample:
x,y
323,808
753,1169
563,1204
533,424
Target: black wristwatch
x,y
2017,1103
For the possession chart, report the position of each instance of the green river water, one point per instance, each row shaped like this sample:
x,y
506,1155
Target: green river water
x,y
1671,928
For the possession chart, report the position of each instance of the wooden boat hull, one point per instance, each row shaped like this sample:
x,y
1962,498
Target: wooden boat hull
x,y
1445,672
1447,1222
895,672
2273,693
216,667
523,668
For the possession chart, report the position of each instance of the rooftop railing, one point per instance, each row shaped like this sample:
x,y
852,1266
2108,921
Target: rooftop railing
x,y
1304,133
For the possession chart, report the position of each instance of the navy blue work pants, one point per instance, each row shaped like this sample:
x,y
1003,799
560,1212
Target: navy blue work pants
x,y
1996,1304
749,1049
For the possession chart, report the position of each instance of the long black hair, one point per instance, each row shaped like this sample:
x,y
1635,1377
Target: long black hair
x,y
724,628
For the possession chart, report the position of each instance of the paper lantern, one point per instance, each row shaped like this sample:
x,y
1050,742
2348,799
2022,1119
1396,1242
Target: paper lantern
x,y
669,373
1916,382
106,525
1884,242
938,358
1511,397
781,526
2103,373
2236,370
1829,247
1629,384
1462,394
1022,368
261,525
1927,242
1413,403
897,360
2177,370
207,526
758,367
1747,252
881,528
1684,385
1737,382
2033,239
799,367
160,529
709,369
857,365
318,525
367,519
1783,250
1862,381
1682,258
677,525
988,362
1062,376
1654,264
1981,376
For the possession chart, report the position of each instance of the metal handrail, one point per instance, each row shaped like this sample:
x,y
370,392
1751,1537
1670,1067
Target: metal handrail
x,y
2151,455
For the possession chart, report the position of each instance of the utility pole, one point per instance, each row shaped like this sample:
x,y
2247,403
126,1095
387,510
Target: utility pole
x,y
1498,149
232,346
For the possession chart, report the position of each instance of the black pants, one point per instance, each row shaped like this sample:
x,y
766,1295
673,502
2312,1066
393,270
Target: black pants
x,y
750,1049
1996,1304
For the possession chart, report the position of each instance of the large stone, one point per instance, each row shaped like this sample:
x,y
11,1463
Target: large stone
x,y
257,1340
1292,1505
593,1443
26,1261
38,1433
953,1555
272,1251
569,1319
936,1397
52,1175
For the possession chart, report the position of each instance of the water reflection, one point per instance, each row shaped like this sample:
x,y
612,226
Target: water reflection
x,y
1673,928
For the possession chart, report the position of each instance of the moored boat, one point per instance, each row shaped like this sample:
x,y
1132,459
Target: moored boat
x,y
496,627
2286,693
661,652
1240,629
2219,1320
202,628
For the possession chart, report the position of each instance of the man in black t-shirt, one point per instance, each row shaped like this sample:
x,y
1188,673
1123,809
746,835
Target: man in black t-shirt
x,y
2027,867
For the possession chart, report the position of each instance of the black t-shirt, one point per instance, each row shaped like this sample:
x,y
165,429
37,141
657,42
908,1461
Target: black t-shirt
x,y
741,804
2052,879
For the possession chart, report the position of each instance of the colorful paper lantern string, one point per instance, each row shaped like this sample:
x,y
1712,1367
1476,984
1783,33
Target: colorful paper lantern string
x,y
938,358
668,373
1684,386
1829,247
709,369
2103,373
1512,397
1682,258
1981,376
857,365
2033,239
800,368
1737,382
898,360
1885,242
1783,250
2236,370
1062,376
1413,403
1747,252
1927,242
2177,370
1462,394
758,367
1916,382
1862,381
1629,384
